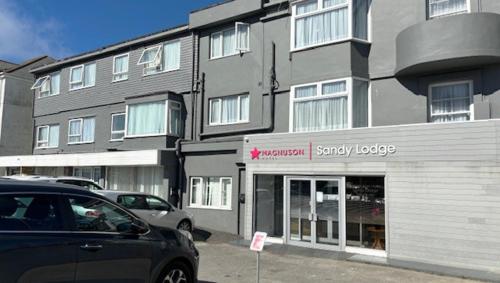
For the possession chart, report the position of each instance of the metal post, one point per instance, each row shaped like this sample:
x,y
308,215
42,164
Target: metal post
x,y
258,267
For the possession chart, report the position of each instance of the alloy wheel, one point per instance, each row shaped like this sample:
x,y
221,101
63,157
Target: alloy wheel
x,y
175,276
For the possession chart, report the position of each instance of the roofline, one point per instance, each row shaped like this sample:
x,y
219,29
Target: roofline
x,y
114,47
27,63
211,6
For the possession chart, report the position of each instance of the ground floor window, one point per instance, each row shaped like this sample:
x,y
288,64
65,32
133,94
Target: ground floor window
x,y
268,199
211,192
451,102
92,173
147,179
365,212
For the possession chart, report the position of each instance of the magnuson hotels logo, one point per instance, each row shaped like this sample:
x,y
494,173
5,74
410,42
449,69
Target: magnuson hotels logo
x,y
258,154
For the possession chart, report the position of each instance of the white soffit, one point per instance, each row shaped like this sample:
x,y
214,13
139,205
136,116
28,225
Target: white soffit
x,y
121,158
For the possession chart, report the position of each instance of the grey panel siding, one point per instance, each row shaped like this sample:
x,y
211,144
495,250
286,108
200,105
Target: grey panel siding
x,y
107,92
222,12
202,165
102,137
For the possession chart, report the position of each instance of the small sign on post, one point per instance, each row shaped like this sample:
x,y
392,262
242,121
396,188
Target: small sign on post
x,y
257,245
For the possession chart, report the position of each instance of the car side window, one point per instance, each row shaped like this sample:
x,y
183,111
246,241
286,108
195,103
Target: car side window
x,y
95,215
90,186
133,201
155,203
71,182
37,212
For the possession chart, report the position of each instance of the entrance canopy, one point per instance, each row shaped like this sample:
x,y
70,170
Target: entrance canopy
x,y
118,158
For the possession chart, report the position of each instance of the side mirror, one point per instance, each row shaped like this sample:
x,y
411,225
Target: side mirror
x,y
138,226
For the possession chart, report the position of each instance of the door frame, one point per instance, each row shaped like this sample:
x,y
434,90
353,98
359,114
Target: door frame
x,y
341,212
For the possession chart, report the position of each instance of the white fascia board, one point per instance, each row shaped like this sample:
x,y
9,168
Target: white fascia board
x,y
121,158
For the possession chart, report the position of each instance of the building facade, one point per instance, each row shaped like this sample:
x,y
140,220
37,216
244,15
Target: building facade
x,y
365,127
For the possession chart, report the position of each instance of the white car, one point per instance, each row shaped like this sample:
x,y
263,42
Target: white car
x,y
76,181
153,209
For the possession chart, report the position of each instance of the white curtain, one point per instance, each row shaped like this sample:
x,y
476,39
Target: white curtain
x,y
330,3
215,46
215,111
43,135
228,42
172,55
306,91
76,74
244,107
320,28
360,15
121,68
213,192
195,191
139,179
446,7
320,114
120,178
242,34
449,99
307,7
74,130
360,104
332,88
89,75
225,192
55,82
146,119
230,109
88,129
54,136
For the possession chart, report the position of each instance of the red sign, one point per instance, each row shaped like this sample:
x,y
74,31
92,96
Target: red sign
x,y
259,238
255,153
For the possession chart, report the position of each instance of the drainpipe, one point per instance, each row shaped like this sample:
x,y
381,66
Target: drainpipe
x,y
180,173
202,100
273,85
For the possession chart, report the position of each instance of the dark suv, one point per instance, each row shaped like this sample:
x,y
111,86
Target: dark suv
x,y
60,233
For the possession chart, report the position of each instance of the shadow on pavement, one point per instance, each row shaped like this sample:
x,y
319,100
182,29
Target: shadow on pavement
x,y
213,237
201,235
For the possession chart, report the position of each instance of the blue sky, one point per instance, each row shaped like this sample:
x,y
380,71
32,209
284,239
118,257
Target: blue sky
x,y
62,28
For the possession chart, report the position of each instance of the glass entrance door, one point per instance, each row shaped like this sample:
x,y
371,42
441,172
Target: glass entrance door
x,y
314,211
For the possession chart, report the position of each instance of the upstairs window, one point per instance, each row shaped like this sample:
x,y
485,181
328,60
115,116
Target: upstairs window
x,y
230,41
81,130
451,102
176,125
439,8
82,76
120,67
117,126
329,105
229,109
152,118
48,85
161,58
47,136
317,22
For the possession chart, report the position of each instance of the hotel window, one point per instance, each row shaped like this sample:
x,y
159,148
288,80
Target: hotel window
x,y
161,58
120,67
150,119
229,110
176,125
82,76
117,126
329,105
230,41
47,136
317,22
92,173
451,102
211,192
81,130
48,85
439,8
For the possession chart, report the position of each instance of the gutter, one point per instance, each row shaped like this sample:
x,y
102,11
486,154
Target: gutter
x,y
273,85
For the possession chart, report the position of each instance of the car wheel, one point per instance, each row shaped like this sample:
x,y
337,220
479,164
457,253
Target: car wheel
x,y
177,272
185,225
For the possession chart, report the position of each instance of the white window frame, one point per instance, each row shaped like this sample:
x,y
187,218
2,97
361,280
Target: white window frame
x,y
471,100
236,51
81,131
428,3
82,77
203,183
319,96
158,59
118,132
40,81
321,10
49,127
238,109
164,133
178,106
46,80
115,74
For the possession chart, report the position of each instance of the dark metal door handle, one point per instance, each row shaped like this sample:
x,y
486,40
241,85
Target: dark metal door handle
x,y
91,248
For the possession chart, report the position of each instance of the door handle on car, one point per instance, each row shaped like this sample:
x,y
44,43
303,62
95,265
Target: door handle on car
x,y
91,248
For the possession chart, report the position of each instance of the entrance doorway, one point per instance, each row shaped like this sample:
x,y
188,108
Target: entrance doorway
x,y
314,216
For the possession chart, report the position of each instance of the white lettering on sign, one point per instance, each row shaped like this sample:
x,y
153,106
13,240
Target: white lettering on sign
x,y
347,150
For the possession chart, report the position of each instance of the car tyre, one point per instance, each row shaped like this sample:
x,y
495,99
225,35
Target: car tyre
x,y
185,225
177,272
